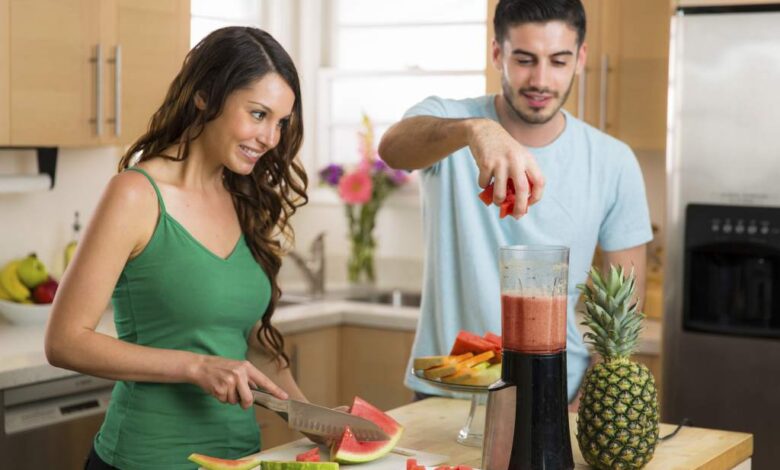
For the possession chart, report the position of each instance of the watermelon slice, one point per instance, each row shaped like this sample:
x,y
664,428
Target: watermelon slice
x,y
312,455
493,338
469,342
213,463
350,450
269,465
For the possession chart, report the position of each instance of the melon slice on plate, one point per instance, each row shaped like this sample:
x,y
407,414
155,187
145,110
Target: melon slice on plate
x,y
213,463
349,450
268,465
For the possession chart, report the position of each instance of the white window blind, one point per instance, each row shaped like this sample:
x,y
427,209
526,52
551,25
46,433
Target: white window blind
x,y
387,56
209,15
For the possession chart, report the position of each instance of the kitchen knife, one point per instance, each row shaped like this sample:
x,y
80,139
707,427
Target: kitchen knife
x,y
319,420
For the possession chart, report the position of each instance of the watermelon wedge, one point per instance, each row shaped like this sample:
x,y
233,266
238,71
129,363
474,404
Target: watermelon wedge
x,y
213,463
269,465
493,338
469,342
350,450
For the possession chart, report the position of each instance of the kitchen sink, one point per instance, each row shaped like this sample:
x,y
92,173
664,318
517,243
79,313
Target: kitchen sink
x,y
396,298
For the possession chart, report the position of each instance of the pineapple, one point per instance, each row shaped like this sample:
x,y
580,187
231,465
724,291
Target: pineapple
x,y
617,420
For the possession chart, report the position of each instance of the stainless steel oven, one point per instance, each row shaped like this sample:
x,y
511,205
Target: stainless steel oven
x,y
50,425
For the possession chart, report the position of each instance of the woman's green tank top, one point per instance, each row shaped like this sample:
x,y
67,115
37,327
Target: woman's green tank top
x,y
176,294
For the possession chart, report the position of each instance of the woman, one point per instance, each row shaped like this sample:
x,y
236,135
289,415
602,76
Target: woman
x,y
186,245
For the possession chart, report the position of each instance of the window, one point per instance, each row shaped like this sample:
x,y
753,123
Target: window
x,y
208,15
387,56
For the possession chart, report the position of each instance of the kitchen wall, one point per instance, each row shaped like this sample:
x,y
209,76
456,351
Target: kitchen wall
x,y
41,221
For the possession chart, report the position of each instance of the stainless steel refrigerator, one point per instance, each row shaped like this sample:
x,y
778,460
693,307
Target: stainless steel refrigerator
x,y
722,270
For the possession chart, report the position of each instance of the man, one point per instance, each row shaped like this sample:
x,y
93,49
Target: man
x,y
582,186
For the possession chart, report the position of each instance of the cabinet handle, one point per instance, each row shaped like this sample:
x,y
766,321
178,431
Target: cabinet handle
x,y
98,60
603,89
581,93
117,61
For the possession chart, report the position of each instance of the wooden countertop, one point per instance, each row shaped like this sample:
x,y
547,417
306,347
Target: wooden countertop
x,y
432,425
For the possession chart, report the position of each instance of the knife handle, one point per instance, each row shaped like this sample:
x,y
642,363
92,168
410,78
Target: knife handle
x,y
269,401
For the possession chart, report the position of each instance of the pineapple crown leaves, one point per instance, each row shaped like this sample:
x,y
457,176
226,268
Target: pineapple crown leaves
x,y
615,321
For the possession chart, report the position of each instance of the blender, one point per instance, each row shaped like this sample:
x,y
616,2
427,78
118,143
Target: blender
x,y
527,422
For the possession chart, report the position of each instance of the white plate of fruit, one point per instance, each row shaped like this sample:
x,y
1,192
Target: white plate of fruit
x,y
473,364
26,291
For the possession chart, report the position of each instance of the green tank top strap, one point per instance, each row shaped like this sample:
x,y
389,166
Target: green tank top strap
x,y
154,185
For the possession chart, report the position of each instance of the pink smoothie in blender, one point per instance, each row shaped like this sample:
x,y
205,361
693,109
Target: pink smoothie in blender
x,y
534,324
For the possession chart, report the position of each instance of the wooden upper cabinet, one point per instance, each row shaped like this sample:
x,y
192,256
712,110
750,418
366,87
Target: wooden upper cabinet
x,y
5,76
635,41
53,86
63,63
709,3
154,37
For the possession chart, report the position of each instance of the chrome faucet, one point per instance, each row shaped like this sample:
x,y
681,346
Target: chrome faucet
x,y
313,266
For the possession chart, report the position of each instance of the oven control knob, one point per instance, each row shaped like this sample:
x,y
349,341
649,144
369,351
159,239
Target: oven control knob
x,y
727,228
739,228
765,230
752,229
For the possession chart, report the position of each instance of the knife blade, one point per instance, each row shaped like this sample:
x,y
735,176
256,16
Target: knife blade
x,y
319,420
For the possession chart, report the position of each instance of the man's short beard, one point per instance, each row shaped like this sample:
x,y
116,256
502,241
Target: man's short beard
x,y
534,118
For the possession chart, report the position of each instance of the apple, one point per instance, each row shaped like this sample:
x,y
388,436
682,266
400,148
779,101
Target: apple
x,y
44,293
31,271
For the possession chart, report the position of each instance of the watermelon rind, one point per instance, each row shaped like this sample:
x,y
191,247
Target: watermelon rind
x,y
350,450
269,465
214,463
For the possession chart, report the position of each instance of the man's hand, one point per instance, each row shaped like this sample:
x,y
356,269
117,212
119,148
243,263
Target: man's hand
x,y
499,158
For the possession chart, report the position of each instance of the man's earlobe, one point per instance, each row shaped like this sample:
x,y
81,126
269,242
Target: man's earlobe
x,y
496,54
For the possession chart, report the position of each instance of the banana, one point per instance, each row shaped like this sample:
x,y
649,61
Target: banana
x,y
9,279
4,295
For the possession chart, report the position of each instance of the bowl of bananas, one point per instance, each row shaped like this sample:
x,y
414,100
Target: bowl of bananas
x,y
26,291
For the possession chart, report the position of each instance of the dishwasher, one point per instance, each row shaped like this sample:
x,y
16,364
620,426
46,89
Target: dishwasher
x,y
50,425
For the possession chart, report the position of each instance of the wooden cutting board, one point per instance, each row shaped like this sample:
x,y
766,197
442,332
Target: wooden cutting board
x,y
391,461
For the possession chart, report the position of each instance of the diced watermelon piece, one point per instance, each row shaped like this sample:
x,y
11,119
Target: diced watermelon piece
x,y
312,455
487,194
411,464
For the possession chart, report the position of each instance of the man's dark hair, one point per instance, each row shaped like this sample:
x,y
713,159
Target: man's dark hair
x,y
515,12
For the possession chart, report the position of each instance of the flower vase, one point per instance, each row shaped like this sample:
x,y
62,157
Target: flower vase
x,y
360,266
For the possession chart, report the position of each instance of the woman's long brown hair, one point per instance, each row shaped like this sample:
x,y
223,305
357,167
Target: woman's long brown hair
x,y
224,61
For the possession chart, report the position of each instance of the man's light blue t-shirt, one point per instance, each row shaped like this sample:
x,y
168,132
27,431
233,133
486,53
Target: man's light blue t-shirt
x,y
594,194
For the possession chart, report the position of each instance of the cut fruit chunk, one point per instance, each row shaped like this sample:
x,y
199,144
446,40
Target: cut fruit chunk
x,y
483,357
427,362
469,342
312,455
350,450
268,465
493,338
214,463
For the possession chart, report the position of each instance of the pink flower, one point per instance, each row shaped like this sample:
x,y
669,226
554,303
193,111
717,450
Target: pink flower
x,y
356,187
